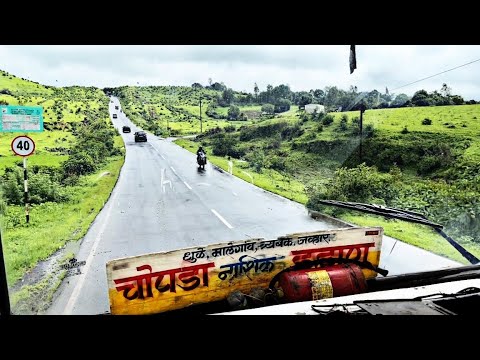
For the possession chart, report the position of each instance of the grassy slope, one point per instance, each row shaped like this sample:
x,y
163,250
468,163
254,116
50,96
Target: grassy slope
x,y
55,224
465,118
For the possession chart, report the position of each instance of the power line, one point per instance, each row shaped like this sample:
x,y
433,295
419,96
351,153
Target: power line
x,y
428,77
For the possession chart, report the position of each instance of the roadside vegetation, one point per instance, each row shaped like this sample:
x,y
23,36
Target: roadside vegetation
x,y
71,175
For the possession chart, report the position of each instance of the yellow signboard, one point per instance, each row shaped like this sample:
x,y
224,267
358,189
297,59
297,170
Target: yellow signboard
x,y
159,282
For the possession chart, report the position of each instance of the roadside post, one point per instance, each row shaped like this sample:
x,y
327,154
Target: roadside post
x,y
24,146
362,110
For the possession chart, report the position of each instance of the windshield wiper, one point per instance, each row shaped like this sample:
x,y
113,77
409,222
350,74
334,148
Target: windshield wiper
x,y
405,215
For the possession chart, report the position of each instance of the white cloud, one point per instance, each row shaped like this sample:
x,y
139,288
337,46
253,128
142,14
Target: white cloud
x,y
302,67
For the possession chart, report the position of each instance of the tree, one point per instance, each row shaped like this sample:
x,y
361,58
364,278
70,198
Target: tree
x,y
282,92
282,105
197,86
446,91
256,91
228,96
457,100
304,98
400,100
233,112
217,86
331,96
319,95
268,108
421,98
210,81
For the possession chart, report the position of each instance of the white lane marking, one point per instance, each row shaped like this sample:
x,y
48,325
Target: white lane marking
x,y
163,181
171,167
158,152
246,173
222,219
234,193
78,287
188,186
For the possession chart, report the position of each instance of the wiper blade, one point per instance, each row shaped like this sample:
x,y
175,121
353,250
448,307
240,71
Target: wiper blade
x,y
405,215
394,213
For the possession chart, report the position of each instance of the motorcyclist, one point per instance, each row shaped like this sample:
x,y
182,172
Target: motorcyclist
x,y
199,152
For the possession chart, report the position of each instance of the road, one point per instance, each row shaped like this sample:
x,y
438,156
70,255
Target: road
x,y
163,202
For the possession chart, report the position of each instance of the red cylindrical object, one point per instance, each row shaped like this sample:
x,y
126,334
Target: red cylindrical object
x,y
322,283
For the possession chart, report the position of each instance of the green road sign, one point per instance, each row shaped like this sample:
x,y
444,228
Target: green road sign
x,y
15,118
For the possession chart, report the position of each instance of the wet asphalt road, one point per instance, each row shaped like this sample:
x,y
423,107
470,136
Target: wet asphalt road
x,y
163,202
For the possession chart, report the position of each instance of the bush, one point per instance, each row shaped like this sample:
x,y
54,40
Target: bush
x,y
290,132
359,184
268,108
263,131
13,186
257,160
277,163
43,189
233,112
222,144
369,131
3,204
405,130
43,186
426,121
327,120
79,163
229,128
282,105
304,118
343,126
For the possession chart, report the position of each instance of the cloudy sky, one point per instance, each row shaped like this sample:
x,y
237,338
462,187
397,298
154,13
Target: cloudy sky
x,y
300,66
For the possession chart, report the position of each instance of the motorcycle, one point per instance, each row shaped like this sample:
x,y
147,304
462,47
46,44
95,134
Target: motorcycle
x,y
202,160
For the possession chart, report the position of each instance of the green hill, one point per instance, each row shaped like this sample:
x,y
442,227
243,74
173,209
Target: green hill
x,y
21,87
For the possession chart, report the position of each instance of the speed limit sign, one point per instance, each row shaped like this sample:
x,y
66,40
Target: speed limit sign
x,y
23,146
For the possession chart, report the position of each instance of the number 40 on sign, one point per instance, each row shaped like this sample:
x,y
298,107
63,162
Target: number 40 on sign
x,y
23,146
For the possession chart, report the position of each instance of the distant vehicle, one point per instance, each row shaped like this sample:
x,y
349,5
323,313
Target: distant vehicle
x,y
116,107
126,129
114,116
140,136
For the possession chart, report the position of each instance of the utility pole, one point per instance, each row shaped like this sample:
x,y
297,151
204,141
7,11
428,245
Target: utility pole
x,y
362,110
200,114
